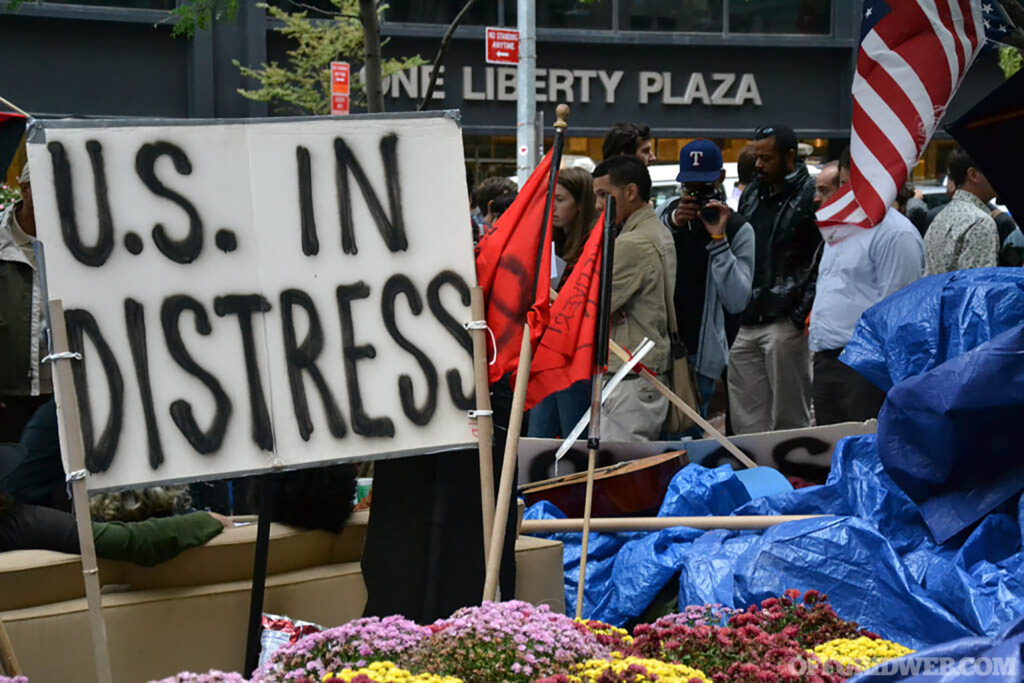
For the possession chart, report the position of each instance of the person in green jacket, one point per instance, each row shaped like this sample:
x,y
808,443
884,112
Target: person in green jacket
x,y
146,543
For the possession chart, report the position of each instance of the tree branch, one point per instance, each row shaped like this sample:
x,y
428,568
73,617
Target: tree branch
x,y
311,8
441,51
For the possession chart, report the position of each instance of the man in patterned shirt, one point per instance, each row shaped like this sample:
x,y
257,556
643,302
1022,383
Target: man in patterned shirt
x,y
964,234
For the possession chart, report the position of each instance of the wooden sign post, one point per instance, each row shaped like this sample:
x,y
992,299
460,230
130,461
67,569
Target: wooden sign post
x,y
73,450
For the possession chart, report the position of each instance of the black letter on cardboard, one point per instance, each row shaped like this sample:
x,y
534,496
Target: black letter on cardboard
x,y
185,250
99,453
97,254
181,412
307,219
455,329
244,305
303,357
393,229
361,422
400,284
135,322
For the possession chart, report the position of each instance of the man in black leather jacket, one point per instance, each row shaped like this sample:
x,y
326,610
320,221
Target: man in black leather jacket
x,y
769,364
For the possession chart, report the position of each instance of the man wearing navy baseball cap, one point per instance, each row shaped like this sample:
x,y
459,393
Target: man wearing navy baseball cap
x,y
715,262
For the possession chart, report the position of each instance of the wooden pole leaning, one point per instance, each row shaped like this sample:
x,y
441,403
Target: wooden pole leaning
x,y
508,467
484,416
602,338
682,405
615,524
73,448
8,661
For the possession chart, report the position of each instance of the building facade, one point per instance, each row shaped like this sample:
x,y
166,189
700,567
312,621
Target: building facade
x,y
688,68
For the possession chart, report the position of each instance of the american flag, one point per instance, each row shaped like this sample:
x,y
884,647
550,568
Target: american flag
x,y
913,56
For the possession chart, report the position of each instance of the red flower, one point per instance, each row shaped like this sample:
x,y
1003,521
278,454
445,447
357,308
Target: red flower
x,y
792,594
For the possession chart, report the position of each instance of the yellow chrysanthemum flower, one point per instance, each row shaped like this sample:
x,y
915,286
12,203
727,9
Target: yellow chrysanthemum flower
x,y
388,672
599,628
862,652
592,669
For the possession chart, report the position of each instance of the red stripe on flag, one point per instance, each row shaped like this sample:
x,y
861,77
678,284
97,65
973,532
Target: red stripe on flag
x,y
897,99
946,16
909,34
878,143
970,28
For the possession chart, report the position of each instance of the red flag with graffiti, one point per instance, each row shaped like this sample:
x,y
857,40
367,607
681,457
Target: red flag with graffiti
x,y
513,267
566,352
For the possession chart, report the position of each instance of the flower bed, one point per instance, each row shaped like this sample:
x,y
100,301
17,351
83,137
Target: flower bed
x,y
792,638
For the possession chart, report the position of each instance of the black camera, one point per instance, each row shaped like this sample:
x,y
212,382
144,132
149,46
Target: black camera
x,y
702,197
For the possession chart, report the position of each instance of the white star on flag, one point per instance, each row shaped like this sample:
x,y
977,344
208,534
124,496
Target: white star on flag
x,y
988,24
868,13
986,7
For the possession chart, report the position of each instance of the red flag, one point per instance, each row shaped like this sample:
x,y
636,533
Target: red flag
x,y
566,353
514,270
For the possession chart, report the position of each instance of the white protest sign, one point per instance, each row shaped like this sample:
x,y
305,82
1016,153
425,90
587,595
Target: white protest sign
x,y
255,294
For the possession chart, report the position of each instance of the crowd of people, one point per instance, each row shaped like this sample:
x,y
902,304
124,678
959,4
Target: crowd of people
x,y
747,287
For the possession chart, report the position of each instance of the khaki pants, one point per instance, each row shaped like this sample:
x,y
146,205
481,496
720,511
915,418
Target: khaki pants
x,y
769,378
634,412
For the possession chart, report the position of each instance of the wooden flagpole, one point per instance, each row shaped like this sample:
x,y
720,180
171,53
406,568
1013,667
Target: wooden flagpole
x,y
614,524
515,422
682,405
484,419
73,448
508,467
601,340
8,661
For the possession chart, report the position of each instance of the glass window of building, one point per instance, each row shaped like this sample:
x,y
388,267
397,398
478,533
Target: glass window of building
x,y
440,12
781,16
690,16
133,4
567,14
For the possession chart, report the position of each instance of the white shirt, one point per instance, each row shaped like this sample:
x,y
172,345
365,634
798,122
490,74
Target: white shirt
x,y
858,272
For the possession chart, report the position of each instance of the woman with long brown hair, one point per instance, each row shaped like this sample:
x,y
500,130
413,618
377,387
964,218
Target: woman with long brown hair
x,y
572,218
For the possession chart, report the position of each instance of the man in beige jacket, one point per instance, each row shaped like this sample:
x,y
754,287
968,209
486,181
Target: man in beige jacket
x,y
644,258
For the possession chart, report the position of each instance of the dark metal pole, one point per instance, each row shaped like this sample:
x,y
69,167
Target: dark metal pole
x,y
601,335
259,580
562,113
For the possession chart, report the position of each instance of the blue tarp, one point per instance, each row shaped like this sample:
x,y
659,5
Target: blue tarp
x,y
876,558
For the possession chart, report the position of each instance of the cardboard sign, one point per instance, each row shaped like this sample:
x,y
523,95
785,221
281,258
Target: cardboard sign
x,y
259,294
806,453
339,78
502,46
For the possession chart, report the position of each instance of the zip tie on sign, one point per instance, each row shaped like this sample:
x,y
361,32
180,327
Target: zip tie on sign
x,y
473,414
482,325
63,355
74,476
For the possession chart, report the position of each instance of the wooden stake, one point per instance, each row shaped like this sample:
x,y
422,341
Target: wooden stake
x,y
508,467
587,503
681,404
552,526
73,448
8,662
484,419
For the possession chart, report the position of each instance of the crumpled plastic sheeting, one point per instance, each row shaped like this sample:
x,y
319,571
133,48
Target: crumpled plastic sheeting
x,y
981,660
949,436
933,320
875,559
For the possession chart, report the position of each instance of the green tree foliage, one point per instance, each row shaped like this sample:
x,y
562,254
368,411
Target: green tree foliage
x,y
303,84
1010,60
193,15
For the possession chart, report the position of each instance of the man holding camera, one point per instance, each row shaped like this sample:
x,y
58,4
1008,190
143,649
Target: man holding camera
x,y
715,262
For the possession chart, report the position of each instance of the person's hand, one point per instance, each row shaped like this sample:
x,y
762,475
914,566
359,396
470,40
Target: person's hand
x,y
717,229
225,522
686,211
918,193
